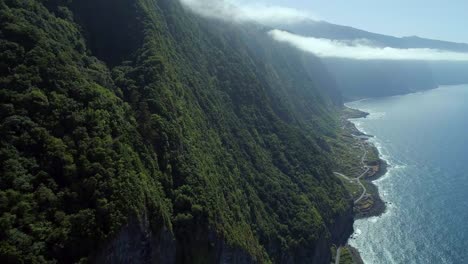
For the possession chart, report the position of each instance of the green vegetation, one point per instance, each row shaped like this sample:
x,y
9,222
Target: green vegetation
x,y
350,160
346,256
170,117
353,188
348,153
73,166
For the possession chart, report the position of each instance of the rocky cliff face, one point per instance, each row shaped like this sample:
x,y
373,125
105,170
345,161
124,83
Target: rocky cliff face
x,y
137,243
139,246
343,227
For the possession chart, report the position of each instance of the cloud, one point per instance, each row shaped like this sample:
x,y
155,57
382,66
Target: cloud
x,y
233,10
363,49
240,11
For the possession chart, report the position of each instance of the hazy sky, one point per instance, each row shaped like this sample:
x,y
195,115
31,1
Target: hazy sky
x,y
277,12
362,49
439,19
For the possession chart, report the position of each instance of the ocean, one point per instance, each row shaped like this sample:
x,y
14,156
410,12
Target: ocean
x,y
424,138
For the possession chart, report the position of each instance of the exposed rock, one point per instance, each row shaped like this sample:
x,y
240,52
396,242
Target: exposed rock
x,y
136,243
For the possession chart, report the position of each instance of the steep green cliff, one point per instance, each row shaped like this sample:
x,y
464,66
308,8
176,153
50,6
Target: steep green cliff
x,y
134,131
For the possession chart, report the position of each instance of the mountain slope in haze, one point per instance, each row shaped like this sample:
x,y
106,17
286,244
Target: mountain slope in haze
x,y
321,29
136,132
378,78
358,79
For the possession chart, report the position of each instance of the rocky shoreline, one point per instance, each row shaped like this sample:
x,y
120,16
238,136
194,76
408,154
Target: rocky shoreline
x,y
379,206
379,167
372,205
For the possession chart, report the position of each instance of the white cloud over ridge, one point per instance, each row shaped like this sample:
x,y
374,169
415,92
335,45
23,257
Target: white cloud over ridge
x,y
232,10
238,11
362,49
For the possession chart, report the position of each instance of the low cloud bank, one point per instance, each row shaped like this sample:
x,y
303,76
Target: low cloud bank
x,y
232,10
362,49
238,12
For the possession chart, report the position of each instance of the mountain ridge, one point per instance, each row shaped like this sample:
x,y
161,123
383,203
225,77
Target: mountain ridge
x,y
357,79
321,29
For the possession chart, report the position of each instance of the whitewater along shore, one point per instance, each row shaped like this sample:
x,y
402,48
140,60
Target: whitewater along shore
x,y
357,169
364,165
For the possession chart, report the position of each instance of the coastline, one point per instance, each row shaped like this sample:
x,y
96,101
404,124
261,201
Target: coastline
x,y
379,165
379,169
413,179
379,206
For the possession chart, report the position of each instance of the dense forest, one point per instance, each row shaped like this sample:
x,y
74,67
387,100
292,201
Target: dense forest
x,y
132,131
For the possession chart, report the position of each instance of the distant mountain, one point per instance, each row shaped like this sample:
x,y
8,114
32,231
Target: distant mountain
x,y
320,29
375,78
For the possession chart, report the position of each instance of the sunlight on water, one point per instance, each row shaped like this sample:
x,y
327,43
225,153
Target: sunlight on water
x,y
424,139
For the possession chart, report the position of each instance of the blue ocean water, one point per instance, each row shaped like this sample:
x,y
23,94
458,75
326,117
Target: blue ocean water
x,y
424,137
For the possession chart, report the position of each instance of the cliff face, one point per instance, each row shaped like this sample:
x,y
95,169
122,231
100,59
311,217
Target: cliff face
x,y
153,135
138,243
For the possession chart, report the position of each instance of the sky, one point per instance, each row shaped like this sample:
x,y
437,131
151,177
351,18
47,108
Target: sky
x,y
437,19
362,49
280,12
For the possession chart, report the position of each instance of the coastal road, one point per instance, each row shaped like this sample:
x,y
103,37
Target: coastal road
x,y
337,258
364,190
358,179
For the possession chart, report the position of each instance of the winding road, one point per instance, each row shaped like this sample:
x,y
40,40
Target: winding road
x,y
364,190
358,179
337,258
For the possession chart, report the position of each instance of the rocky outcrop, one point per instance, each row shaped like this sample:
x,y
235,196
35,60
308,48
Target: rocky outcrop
x,y
136,243
227,254
343,227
